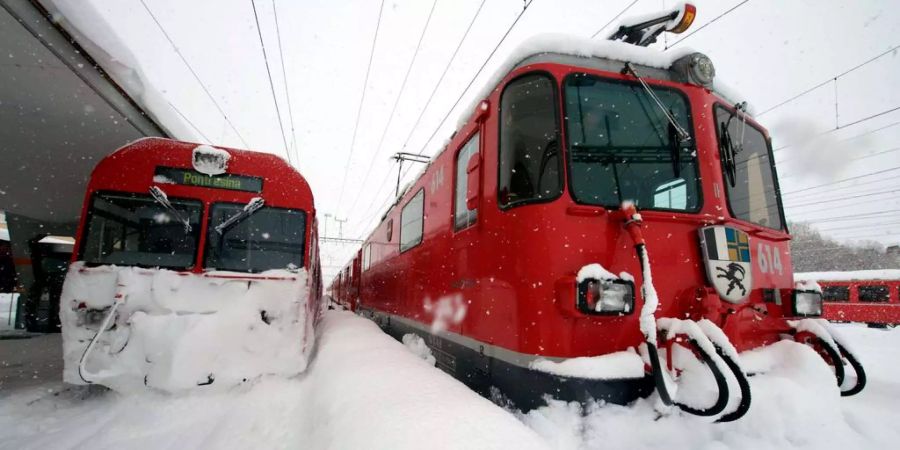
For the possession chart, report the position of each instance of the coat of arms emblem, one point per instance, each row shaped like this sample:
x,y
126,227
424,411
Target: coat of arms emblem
x,y
726,252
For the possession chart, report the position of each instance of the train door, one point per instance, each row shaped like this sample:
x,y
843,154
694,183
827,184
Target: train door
x,y
465,207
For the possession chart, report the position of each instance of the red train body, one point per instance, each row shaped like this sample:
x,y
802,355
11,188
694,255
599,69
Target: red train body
x,y
503,254
179,238
865,296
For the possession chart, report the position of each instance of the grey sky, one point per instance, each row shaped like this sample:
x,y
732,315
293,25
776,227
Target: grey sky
x,y
766,50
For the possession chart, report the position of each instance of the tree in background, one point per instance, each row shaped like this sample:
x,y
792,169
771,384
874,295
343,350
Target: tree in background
x,y
813,252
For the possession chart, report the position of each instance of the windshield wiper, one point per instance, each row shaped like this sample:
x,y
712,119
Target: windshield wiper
x,y
683,135
727,146
163,200
254,205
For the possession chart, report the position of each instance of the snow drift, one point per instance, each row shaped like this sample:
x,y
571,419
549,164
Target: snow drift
x,y
174,331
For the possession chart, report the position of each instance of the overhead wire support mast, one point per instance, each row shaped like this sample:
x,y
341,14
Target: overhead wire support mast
x,y
194,73
271,83
402,156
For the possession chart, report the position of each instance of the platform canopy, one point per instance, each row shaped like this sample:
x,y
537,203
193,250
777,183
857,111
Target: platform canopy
x,y
60,112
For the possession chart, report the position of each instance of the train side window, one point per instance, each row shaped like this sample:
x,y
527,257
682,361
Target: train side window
x,y
367,257
462,215
873,293
412,221
530,166
836,294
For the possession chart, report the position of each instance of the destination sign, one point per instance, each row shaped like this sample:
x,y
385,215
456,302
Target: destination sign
x,y
193,178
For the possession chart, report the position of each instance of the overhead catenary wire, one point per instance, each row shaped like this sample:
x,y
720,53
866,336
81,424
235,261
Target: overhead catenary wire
x,y
870,155
271,83
830,80
623,11
891,169
468,86
708,23
858,227
287,90
475,77
860,216
833,190
841,127
189,122
396,102
840,199
362,101
195,75
443,74
867,236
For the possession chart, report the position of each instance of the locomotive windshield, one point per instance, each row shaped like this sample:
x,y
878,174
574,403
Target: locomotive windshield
x,y
749,173
136,230
267,238
622,146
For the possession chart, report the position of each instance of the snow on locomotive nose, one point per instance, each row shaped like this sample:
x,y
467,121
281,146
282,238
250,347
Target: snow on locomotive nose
x,y
195,267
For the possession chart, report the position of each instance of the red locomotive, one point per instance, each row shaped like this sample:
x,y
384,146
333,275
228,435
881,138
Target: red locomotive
x,y
865,296
520,258
193,265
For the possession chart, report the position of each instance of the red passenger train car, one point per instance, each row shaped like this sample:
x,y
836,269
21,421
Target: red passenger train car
x,y
193,265
864,296
518,256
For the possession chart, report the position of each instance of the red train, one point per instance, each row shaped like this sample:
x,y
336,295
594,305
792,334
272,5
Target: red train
x,y
517,254
865,296
193,265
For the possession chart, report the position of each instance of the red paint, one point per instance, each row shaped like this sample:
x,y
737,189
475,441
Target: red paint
x,y
854,310
131,168
516,268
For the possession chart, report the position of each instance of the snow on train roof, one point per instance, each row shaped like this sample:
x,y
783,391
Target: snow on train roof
x,y
853,275
575,46
563,44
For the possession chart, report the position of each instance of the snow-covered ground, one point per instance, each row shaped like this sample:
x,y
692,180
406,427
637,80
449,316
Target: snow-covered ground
x,y
365,390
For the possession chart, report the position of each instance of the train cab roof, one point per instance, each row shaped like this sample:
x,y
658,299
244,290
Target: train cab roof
x,y
669,65
138,164
605,55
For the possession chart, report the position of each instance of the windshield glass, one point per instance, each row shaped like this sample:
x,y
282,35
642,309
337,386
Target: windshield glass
x,y
269,238
752,195
623,147
135,230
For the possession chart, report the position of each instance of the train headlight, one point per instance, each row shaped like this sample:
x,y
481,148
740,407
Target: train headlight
x,y
90,318
807,303
605,297
696,68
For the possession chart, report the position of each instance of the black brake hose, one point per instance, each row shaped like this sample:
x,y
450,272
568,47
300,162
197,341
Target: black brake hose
x,y
721,384
860,372
837,362
743,384
652,351
658,378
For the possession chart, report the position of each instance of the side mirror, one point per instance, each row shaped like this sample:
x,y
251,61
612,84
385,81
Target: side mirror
x,y
472,181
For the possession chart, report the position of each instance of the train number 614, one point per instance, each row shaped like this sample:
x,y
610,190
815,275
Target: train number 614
x,y
769,259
